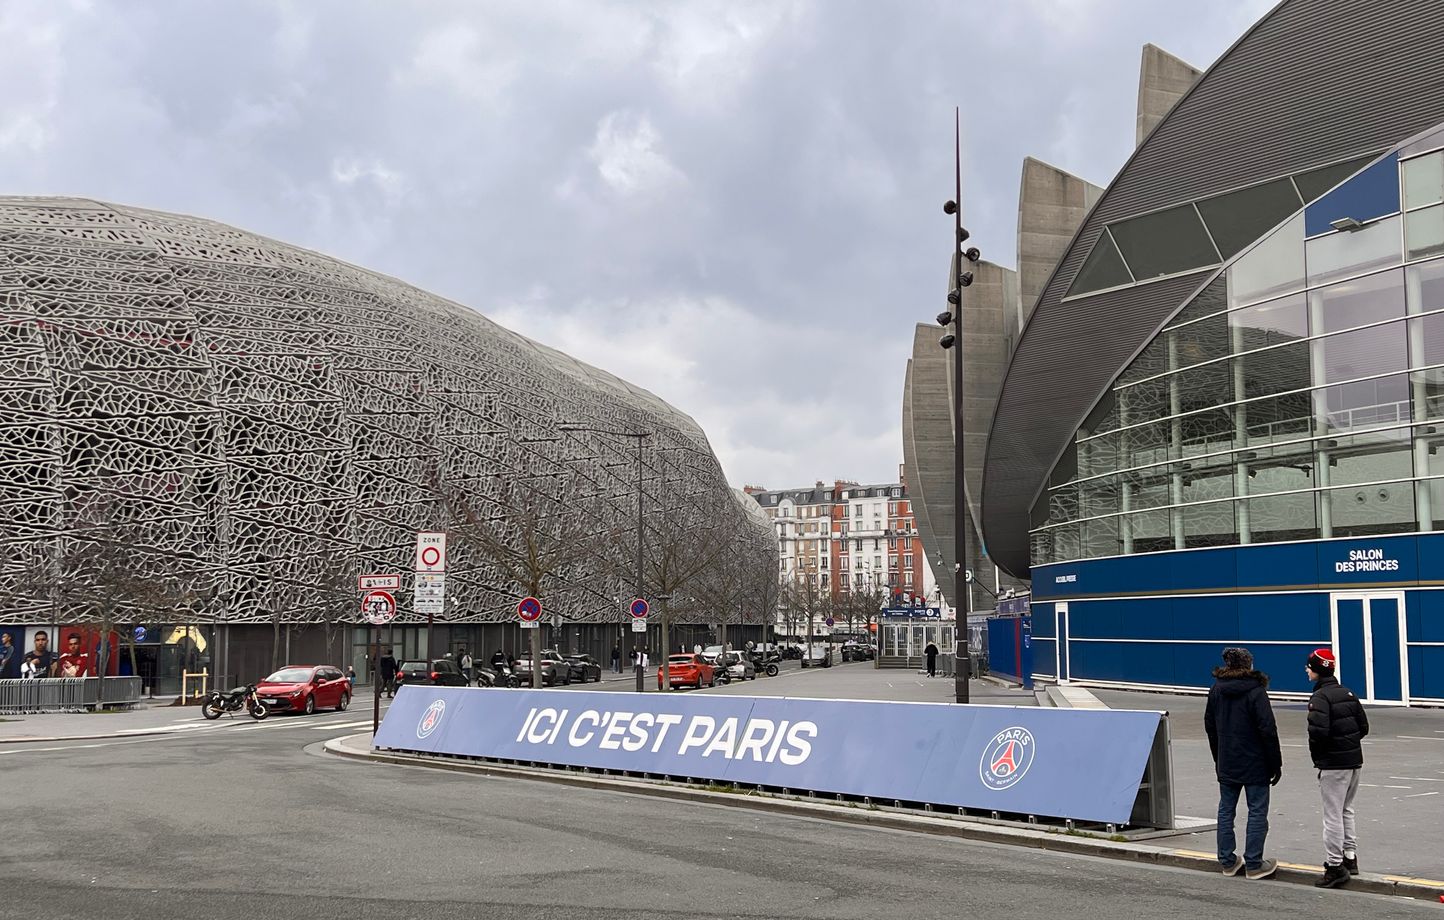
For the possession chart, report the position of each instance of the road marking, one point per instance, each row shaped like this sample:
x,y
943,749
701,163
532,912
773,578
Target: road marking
x,y
1425,779
1420,738
332,726
1384,785
1419,794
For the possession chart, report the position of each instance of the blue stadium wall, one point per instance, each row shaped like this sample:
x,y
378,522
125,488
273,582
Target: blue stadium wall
x,y
1161,620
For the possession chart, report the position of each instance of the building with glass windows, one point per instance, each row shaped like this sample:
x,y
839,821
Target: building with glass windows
x,y
1251,452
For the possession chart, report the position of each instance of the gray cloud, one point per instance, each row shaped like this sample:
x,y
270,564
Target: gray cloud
x,y
733,204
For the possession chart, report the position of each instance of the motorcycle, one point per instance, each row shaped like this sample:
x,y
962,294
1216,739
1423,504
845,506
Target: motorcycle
x,y
497,675
241,699
765,664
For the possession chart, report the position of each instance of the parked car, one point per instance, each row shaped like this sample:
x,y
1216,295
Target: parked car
x,y
738,666
857,651
305,688
816,654
584,668
443,672
554,669
688,671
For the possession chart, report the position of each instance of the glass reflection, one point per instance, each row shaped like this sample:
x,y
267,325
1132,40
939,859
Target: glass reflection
x,y
1342,253
1274,266
1373,509
1357,303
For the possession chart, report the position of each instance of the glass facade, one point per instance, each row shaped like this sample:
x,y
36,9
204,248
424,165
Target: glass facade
x,y
1298,395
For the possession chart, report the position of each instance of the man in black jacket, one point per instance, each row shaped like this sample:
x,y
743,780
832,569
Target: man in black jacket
x,y
1244,739
1337,726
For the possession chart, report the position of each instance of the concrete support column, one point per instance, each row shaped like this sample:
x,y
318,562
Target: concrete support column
x,y
1125,482
1321,419
1175,445
1419,394
1240,439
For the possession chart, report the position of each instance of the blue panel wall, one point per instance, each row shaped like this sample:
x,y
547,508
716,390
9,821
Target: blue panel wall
x,y
1272,599
1426,671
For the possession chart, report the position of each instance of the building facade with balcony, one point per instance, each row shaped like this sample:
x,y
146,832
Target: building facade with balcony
x,y
1222,424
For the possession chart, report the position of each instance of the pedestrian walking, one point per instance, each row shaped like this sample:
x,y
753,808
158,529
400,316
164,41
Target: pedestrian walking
x,y
932,652
466,662
387,672
617,659
1244,740
351,678
1337,726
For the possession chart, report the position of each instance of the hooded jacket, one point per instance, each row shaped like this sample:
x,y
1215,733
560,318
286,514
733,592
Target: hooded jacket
x,y
1337,726
1242,733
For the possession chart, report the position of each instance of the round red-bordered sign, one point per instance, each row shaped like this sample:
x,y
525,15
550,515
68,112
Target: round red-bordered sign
x,y
378,607
529,609
639,609
430,556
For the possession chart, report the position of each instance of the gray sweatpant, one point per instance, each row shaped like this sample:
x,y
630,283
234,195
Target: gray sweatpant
x,y
1337,787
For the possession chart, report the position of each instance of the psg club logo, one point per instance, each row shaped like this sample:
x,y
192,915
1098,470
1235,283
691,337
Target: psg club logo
x,y
430,719
1007,758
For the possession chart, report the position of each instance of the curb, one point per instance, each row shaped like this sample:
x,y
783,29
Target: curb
x,y
1053,841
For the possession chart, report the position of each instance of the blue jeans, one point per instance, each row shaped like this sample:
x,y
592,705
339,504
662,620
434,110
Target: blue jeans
x,y
1257,795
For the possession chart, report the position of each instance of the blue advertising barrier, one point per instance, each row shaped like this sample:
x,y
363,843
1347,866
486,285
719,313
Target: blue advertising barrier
x,y
1061,763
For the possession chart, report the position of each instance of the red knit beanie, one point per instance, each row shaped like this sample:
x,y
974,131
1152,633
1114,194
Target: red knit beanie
x,y
1322,661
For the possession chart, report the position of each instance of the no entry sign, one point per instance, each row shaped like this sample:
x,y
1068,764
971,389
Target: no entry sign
x,y
639,609
378,607
529,609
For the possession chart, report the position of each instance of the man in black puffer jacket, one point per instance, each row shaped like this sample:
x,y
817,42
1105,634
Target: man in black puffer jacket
x,y
1337,726
1244,739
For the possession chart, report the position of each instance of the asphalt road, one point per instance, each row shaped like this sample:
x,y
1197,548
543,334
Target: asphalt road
x,y
249,821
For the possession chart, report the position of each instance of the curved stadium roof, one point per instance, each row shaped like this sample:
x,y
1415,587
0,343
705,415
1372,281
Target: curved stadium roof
x,y
1314,83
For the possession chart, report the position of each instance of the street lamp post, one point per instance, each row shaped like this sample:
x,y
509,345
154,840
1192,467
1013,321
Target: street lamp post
x,y
954,340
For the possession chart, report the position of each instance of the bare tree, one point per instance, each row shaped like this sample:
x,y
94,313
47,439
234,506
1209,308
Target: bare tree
x,y
536,531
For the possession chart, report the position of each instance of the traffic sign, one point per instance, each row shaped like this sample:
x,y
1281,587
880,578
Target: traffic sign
x,y
968,576
829,621
639,626
431,552
378,582
530,624
640,609
529,610
378,607
429,593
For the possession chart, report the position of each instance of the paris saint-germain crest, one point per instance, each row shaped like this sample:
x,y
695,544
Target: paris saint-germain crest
x,y
1007,758
430,718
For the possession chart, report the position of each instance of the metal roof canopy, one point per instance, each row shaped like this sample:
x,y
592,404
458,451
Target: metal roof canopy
x,y
1313,82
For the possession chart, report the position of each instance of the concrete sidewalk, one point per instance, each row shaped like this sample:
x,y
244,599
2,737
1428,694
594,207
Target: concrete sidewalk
x,y
1400,805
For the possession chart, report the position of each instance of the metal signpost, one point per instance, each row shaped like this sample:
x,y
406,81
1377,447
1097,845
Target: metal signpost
x,y
378,607
639,610
529,609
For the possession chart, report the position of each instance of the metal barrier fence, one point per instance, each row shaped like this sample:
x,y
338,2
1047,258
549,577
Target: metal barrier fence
x,y
66,694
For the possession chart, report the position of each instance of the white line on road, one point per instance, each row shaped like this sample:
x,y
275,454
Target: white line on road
x,y
332,726
1418,794
1419,738
1424,779
1383,786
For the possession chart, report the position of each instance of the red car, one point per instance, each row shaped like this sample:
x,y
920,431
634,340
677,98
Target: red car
x,y
689,671
305,688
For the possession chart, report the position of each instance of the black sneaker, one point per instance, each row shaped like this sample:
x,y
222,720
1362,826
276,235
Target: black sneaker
x,y
1352,864
1333,877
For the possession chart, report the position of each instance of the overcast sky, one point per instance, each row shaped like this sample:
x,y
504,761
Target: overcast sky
x,y
735,205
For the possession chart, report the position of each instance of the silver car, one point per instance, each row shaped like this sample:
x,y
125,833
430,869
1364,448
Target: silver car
x,y
739,667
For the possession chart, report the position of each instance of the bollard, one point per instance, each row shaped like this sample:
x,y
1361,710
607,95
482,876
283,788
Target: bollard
x,y
962,670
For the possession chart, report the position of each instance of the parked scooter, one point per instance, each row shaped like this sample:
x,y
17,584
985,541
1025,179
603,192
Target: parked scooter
x,y
765,664
498,675
241,699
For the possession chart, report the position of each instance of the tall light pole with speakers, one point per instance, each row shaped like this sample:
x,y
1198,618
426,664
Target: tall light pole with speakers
x,y
958,279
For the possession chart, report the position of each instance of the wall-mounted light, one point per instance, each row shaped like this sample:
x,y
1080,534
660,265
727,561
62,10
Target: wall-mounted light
x,y
1347,224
